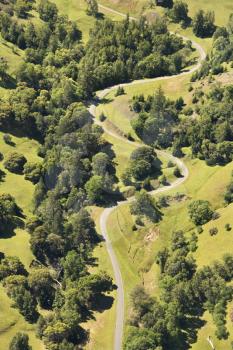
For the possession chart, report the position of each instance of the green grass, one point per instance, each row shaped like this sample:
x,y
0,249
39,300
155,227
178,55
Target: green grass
x,y
18,244
136,253
102,327
76,10
117,109
222,8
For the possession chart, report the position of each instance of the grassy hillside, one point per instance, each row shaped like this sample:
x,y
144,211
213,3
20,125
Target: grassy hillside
x,y
136,250
18,243
135,7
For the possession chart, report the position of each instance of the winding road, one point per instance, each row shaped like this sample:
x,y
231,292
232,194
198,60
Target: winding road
x,y
118,336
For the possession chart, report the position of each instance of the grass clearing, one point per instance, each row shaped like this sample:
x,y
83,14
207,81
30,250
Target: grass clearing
x,y
18,244
136,7
76,11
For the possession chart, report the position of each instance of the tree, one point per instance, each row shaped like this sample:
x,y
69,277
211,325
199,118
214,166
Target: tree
x,y
41,283
145,205
47,11
92,8
179,12
164,3
20,342
101,164
74,265
94,188
15,162
177,172
22,7
200,212
11,265
203,24
3,69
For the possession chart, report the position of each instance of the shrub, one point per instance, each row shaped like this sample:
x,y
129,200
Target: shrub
x,y
32,172
120,91
213,231
7,139
102,117
187,111
15,163
20,342
163,180
177,172
199,229
200,212
228,227
170,164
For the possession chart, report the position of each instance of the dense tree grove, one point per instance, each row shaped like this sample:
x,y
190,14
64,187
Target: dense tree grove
x,y
118,52
143,165
222,51
77,170
203,24
157,117
173,320
158,122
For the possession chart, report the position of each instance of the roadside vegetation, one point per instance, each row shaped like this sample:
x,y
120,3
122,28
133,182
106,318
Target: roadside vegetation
x,y
59,169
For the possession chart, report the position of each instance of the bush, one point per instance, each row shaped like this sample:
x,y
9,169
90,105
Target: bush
x,y
20,342
177,172
102,117
163,180
32,172
15,163
199,230
7,139
213,231
187,111
170,164
200,212
228,227
120,91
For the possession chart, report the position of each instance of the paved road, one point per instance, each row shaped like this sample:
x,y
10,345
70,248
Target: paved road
x,y
105,214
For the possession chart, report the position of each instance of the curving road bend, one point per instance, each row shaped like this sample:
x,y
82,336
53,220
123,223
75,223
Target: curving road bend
x,y
105,214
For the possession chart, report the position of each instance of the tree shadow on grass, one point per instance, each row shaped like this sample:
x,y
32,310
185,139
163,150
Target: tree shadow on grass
x,y
8,229
103,302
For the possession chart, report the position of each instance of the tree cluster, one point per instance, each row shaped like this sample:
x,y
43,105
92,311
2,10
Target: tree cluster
x,y
173,320
121,51
156,120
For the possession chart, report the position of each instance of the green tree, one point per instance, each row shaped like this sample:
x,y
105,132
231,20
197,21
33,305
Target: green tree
x,y
200,212
47,11
203,24
92,7
20,342
179,12
145,205
15,162
42,285
11,265
3,69
95,189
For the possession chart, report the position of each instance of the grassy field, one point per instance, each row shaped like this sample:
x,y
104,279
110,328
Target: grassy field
x,y
136,250
18,244
76,10
222,9
117,109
